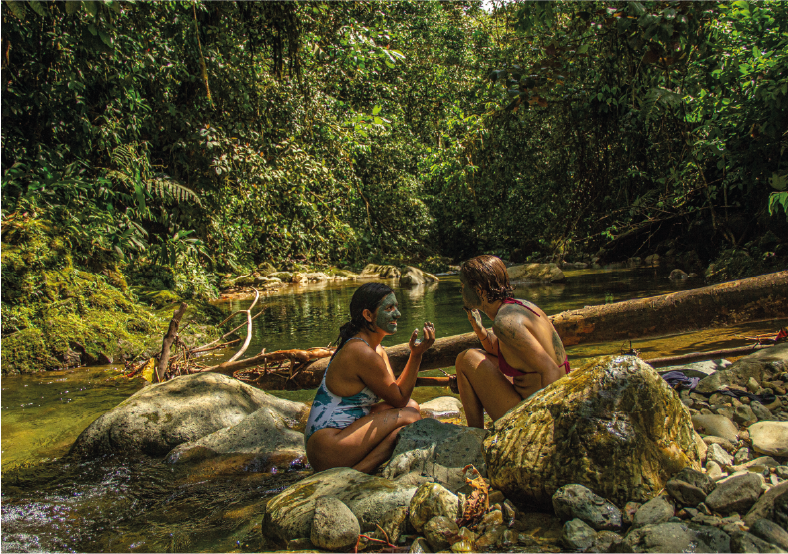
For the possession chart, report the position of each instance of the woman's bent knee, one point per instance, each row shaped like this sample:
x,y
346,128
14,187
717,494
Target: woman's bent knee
x,y
409,415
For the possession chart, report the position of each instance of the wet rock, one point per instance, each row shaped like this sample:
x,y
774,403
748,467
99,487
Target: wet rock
x,y
536,272
727,445
382,271
742,541
579,502
689,487
675,537
268,438
429,501
419,546
716,425
655,511
616,428
737,493
443,407
577,535
438,531
159,417
678,275
334,527
289,514
718,455
770,437
763,365
394,523
770,532
743,415
437,450
771,506
413,277
490,537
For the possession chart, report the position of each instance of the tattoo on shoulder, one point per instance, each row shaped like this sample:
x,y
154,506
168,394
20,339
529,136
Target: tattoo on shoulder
x,y
558,346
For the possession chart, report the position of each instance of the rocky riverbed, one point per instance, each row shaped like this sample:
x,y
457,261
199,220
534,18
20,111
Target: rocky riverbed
x,y
608,459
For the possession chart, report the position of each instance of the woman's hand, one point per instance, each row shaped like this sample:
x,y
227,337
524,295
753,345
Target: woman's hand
x,y
420,347
476,320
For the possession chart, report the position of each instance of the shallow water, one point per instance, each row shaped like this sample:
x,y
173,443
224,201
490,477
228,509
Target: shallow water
x,y
117,504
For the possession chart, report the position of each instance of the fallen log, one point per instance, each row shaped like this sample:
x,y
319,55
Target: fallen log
x,y
755,298
668,361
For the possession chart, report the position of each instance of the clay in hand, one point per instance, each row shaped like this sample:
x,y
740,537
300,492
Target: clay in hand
x,y
421,346
475,317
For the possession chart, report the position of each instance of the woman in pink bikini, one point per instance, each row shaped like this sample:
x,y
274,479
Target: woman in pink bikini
x,y
522,351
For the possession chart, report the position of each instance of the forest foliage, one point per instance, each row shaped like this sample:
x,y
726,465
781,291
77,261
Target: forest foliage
x,y
212,136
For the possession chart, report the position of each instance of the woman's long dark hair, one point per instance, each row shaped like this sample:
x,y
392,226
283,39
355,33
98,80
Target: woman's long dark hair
x,y
367,297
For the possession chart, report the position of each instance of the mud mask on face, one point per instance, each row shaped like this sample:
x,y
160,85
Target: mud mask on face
x,y
387,317
470,299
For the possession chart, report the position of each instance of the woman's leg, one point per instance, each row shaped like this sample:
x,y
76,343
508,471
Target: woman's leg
x,y
364,444
483,387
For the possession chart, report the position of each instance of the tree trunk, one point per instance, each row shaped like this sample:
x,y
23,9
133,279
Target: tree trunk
x,y
764,297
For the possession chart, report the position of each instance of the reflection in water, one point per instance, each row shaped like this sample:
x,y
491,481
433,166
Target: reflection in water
x,y
118,504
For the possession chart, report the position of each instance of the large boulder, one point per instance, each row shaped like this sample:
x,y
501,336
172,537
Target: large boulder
x,y
429,448
382,271
536,272
289,514
269,438
616,428
763,365
159,417
413,277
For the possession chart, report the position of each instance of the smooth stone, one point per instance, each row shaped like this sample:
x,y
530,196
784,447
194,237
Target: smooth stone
x,y
536,272
763,365
619,410
690,487
761,412
439,451
676,537
727,445
716,425
753,386
742,541
770,532
436,531
579,502
655,511
743,415
578,535
770,438
156,419
443,407
429,501
714,471
718,455
334,526
737,493
289,514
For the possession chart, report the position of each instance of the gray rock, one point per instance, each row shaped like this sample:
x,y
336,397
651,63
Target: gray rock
x,y
438,531
744,415
536,272
742,541
437,450
770,532
743,455
413,277
765,506
770,438
266,439
577,501
577,535
737,493
689,487
289,514
605,541
429,501
763,365
753,386
716,425
655,511
761,412
159,417
443,407
717,454
727,445
676,537
781,472
714,471
334,527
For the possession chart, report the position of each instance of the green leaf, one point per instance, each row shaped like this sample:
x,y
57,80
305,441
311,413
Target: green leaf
x,y
38,7
779,182
91,6
638,8
376,110
92,29
105,38
17,8
72,6
583,49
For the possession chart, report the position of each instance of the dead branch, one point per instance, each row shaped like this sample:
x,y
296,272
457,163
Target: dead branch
x,y
302,356
172,333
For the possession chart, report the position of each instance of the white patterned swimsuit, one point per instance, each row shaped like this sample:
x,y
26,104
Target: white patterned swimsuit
x,y
337,412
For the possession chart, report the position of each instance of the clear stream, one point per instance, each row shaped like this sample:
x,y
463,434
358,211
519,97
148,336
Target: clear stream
x,y
122,504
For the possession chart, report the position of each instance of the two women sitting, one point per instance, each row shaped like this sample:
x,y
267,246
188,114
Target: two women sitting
x,y
360,406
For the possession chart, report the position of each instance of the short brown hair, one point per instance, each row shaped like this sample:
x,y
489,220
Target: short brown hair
x,y
489,274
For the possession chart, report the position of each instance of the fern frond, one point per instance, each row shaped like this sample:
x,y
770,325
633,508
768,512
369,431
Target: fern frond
x,y
164,186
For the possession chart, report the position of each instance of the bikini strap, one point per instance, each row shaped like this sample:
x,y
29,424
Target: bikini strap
x,y
515,301
357,338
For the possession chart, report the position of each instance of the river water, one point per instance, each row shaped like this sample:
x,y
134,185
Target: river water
x,y
122,504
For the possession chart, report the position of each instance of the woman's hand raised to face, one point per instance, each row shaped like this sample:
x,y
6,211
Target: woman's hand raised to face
x,y
422,346
475,318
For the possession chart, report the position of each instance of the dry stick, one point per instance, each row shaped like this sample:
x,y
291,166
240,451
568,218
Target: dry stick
x,y
172,333
248,313
231,331
223,345
229,367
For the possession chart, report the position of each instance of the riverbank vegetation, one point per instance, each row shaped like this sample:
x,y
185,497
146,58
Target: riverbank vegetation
x,y
166,145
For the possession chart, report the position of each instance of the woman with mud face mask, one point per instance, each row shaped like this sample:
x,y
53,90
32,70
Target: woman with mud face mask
x,y
349,425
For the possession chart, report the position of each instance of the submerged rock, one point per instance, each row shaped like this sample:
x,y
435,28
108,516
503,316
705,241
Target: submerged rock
x,y
436,450
266,439
536,272
159,417
289,514
616,428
